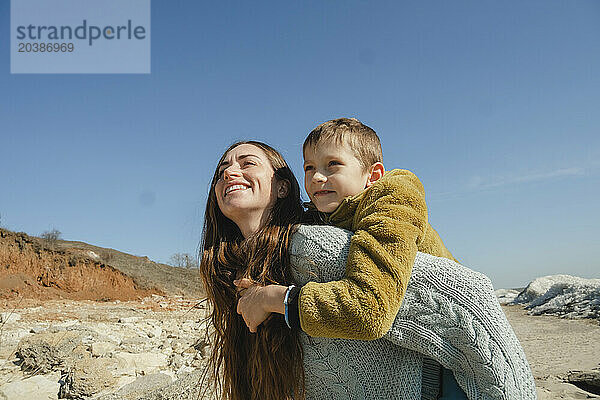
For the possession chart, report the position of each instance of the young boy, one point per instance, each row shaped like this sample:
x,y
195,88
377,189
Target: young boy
x,y
346,182
349,188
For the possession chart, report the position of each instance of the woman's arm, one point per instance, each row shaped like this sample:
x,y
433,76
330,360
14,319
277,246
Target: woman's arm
x,y
257,302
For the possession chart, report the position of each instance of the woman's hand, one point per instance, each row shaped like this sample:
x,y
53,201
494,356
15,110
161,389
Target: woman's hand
x,y
257,302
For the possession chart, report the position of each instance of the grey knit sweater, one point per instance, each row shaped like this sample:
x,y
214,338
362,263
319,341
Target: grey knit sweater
x,y
449,313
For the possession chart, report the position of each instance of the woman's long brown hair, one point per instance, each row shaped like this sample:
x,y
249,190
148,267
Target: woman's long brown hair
x,y
266,365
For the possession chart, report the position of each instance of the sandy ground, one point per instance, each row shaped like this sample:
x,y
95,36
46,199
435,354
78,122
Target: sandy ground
x,y
555,346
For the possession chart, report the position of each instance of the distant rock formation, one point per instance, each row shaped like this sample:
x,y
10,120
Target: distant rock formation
x,y
562,295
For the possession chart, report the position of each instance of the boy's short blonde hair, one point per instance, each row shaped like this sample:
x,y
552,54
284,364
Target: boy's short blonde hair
x,y
361,139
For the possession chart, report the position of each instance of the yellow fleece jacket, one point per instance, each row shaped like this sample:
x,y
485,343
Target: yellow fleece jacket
x,y
389,221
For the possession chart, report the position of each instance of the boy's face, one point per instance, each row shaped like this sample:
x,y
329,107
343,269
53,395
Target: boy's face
x,y
331,173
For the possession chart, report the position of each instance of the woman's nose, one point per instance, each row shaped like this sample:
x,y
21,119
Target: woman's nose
x,y
230,173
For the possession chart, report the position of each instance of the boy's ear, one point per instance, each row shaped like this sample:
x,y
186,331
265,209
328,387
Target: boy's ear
x,y
376,172
283,189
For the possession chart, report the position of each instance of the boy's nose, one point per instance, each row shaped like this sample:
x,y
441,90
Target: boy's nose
x,y
319,177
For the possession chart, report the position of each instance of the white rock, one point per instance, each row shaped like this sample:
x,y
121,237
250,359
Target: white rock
x,y
190,326
144,384
144,363
42,387
67,324
155,331
125,379
506,296
100,349
89,376
180,345
9,317
129,320
10,339
185,369
110,332
170,373
564,295
540,286
38,328
93,255
177,361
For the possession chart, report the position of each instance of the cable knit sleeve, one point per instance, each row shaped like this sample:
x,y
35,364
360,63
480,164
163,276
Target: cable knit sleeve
x,y
389,219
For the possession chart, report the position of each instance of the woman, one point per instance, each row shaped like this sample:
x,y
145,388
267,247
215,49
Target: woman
x,y
251,232
252,208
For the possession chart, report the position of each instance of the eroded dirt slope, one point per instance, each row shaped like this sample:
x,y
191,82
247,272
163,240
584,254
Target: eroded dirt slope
x,y
35,268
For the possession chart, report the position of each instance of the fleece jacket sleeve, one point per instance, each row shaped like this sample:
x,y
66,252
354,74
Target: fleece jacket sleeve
x,y
389,219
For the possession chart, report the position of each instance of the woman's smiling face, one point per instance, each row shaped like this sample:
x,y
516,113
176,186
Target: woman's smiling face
x,y
246,188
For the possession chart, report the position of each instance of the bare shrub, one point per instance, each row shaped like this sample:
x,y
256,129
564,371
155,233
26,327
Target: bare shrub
x,y
183,260
51,237
106,256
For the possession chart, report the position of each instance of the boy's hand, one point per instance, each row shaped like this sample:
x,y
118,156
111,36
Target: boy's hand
x,y
257,302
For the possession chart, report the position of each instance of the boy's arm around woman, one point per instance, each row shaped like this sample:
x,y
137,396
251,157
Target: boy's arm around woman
x,y
390,224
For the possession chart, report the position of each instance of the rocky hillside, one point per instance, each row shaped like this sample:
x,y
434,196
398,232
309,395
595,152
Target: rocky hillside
x,y
36,268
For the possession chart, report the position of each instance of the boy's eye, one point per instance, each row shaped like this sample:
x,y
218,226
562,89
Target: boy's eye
x,y
308,168
249,162
334,162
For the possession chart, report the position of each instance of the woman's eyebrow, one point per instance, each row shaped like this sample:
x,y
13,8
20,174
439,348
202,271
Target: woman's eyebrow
x,y
242,156
249,155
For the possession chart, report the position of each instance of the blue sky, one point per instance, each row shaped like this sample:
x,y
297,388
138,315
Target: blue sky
x,y
493,104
